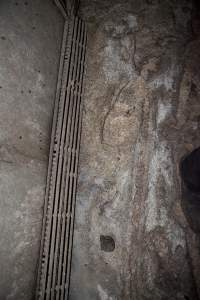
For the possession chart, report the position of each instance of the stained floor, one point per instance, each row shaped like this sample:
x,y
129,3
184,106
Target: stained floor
x,y
141,116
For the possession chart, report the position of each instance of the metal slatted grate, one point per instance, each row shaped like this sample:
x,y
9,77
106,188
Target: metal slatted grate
x,y
58,222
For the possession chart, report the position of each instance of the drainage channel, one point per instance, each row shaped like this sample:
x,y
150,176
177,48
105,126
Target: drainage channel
x,y
59,210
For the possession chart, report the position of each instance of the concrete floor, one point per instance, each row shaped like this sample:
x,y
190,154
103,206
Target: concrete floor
x,y
30,39
141,115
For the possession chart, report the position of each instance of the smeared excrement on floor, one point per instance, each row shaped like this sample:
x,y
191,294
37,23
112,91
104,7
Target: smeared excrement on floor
x,y
141,117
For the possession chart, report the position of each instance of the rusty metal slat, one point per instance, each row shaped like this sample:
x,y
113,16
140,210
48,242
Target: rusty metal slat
x,y
51,189
57,233
68,150
51,154
75,180
62,6
67,120
57,148
62,263
53,169
65,180
58,178
68,8
70,191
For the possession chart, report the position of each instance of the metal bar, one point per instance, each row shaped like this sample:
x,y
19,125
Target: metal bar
x,y
75,170
51,155
62,7
56,151
59,209
70,181
58,175
68,8
67,117
68,155
72,7
66,159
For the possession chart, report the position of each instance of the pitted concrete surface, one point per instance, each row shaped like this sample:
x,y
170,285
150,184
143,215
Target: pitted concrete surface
x,y
30,40
141,116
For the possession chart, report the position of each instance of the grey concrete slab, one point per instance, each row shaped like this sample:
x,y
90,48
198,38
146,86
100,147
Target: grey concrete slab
x,y
30,40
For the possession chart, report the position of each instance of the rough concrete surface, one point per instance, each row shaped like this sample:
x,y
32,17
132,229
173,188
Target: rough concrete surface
x,y
141,116
30,39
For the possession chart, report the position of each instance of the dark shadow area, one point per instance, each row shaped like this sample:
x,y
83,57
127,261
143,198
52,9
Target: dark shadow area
x,y
190,174
107,243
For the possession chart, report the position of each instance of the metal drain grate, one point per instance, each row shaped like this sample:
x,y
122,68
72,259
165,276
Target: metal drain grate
x,y
68,7
58,222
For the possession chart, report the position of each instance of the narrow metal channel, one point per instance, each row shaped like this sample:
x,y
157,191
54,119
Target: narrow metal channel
x,y
59,210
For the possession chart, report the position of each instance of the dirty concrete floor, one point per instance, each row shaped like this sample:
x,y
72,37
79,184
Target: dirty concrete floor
x,y
30,39
141,116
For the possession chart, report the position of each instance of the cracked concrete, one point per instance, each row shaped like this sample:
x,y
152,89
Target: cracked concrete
x,y
30,39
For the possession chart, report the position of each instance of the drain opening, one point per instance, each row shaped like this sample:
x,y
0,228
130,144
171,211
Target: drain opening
x,y
107,243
